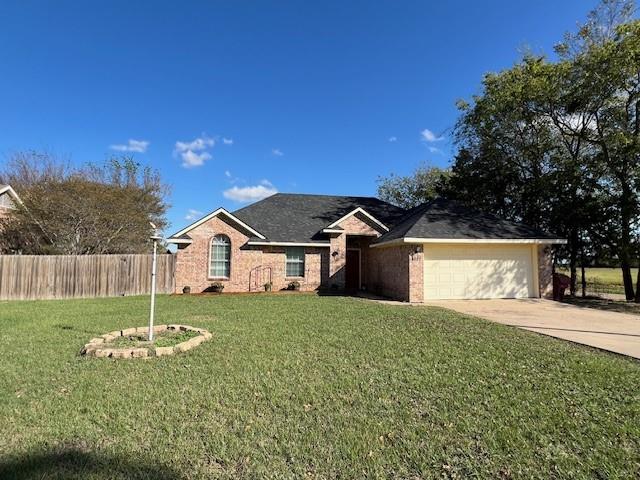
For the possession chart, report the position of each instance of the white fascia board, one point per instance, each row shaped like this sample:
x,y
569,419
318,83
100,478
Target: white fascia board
x,y
11,192
288,244
332,230
178,240
215,214
420,241
363,212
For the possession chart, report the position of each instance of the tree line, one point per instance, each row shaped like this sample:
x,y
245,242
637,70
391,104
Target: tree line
x,y
92,209
555,144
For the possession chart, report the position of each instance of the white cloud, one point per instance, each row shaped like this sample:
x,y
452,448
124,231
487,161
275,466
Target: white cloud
x,y
200,143
188,151
192,214
192,159
393,139
227,174
250,194
429,136
227,141
277,152
435,150
139,146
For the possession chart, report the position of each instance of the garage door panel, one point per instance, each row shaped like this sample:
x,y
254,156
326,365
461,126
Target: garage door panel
x,y
488,271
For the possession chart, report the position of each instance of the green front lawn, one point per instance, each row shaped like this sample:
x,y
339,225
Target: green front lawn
x,y
295,386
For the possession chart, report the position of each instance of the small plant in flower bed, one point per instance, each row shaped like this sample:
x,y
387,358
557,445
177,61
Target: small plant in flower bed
x,y
170,339
161,339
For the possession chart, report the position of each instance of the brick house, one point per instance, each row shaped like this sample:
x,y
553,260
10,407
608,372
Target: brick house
x,y
437,250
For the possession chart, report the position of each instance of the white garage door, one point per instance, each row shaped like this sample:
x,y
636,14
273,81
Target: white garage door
x,y
478,271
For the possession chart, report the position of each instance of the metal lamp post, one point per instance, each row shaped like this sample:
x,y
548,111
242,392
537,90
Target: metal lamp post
x,y
155,237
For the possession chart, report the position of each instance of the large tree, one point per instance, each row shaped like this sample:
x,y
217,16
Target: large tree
x,y
424,184
556,144
89,210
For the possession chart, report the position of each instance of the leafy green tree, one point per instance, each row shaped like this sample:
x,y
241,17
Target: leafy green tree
x,y
560,141
423,185
607,86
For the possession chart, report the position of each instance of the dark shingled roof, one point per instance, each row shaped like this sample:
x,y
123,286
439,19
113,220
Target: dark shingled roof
x,y
292,217
447,219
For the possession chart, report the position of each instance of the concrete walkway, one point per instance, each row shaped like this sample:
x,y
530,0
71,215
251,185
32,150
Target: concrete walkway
x,y
616,332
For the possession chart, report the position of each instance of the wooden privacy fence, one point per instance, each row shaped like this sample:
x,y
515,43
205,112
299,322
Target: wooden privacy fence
x,y
25,277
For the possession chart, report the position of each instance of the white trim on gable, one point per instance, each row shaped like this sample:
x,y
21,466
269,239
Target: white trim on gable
x,y
179,240
419,241
11,192
213,214
363,212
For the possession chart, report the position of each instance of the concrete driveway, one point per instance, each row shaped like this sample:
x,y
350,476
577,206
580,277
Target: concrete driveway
x,y
616,332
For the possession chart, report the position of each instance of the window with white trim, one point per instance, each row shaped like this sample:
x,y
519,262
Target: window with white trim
x,y
295,261
220,257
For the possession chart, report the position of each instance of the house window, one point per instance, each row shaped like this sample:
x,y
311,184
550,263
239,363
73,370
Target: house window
x,y
295,262
220,257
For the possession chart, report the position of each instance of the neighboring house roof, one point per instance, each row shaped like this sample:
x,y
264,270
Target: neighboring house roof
x,y
441,219
292,217
6,189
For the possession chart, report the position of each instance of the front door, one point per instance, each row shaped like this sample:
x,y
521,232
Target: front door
x,y
352,270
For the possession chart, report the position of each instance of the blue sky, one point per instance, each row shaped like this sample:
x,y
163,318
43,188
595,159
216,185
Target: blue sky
x,y
232,100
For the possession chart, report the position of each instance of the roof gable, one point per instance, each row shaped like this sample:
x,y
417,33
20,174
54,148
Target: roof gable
x,y
182,237
358,211
7,190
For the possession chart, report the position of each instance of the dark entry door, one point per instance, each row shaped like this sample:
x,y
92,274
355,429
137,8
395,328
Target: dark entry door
x,y
352,270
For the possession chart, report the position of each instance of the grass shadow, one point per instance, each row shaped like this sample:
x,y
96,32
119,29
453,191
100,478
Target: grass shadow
x,y
605,304
76,463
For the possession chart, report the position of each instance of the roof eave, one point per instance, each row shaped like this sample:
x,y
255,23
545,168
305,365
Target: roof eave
x,y
179,240
267,243
419,241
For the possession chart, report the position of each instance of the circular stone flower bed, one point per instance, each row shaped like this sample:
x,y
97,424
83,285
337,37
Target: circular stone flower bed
x,y
134,343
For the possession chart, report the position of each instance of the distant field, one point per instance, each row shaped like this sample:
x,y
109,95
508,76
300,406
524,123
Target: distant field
x,y
604,280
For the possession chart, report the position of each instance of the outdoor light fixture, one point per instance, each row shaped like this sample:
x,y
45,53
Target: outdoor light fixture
x,y
155,237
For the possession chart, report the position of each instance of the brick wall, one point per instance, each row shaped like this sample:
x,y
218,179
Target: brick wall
x,y
337,260
389,272
397,272
249,268
416,273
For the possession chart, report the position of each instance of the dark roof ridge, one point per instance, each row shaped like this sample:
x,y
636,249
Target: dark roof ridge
x,y
326,195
